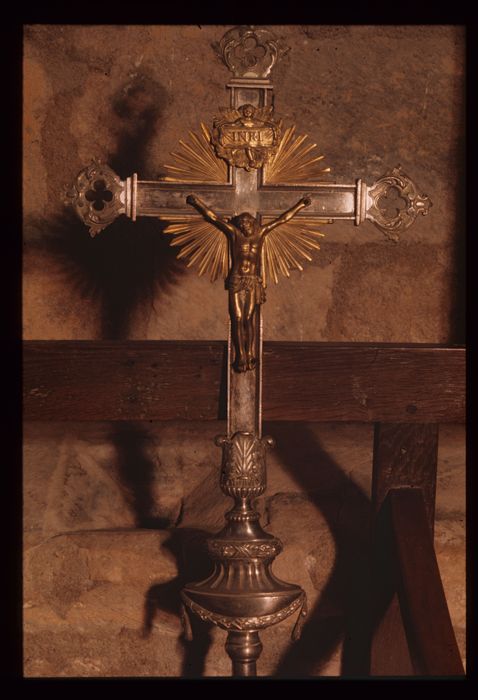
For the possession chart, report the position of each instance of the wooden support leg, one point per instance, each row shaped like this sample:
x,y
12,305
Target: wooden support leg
x,y
405,455
430,636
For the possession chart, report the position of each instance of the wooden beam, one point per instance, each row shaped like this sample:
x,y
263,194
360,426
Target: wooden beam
x,y
186,380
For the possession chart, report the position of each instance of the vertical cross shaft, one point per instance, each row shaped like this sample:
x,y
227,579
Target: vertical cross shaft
x,y
243,595
244,389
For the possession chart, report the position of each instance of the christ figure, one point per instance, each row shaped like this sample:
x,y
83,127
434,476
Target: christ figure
x,y
245,237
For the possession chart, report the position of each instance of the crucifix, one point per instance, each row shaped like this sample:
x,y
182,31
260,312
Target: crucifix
x,y
243,200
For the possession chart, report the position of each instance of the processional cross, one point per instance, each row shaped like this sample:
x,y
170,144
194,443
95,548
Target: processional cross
x,y
256,179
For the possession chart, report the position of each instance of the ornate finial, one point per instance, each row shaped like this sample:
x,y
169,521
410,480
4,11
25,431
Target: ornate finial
x,y
250,52
97,195
400,218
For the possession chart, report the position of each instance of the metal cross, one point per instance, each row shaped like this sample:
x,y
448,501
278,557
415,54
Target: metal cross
x,y
244,152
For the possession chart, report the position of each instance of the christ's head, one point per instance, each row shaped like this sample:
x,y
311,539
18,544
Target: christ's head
x,y
245,222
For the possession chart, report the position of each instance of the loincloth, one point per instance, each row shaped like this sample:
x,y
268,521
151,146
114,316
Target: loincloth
x,y
239,283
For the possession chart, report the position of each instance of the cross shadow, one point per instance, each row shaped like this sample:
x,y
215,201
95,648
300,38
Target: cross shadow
x,y
347,511
119,271
188,547
127,263
136,470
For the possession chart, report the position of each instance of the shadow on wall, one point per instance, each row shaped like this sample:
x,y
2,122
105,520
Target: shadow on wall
x,y
347,511
127,263
189,548
136,470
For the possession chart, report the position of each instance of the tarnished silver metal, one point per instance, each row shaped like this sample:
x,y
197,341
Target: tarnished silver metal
x,y
244,648
99,196
330,201
414,203
242,594
247,166
244,624
250,52
243,464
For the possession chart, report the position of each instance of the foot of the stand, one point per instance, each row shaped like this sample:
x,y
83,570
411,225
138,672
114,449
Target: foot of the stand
x,y
244,648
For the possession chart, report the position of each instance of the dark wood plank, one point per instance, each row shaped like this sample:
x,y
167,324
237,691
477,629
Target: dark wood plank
x,y
430,635
405,454
168,380
122,380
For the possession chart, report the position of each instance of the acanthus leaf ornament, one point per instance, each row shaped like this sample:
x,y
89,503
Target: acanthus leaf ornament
x,y
243,464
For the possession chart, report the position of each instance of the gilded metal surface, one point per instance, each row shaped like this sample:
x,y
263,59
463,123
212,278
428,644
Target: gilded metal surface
x,y
243,623
294,161
246,239
414,203
250,52
247,137
196,161
97,195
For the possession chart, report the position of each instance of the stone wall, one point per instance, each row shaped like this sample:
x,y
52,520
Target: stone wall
x,y
104,556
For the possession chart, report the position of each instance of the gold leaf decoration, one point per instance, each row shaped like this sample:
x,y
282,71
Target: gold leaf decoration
x,y
197,162
294,162
202,245
287,246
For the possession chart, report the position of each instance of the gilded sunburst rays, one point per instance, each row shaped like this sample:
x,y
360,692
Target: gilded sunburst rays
x,y
204,247
197,162
295,161
287,246
201,244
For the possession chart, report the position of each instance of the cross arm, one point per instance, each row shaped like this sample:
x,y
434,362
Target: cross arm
x,y
99,196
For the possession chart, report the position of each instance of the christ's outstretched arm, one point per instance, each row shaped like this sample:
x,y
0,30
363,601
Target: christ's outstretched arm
x,y
287,215
210,215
